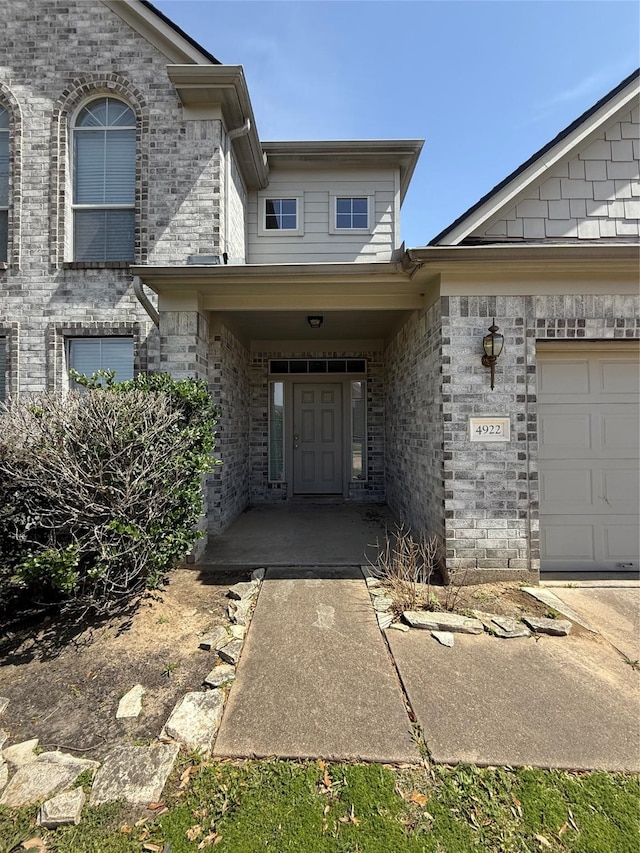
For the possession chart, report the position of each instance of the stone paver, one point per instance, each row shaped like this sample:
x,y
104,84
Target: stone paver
x,y
315,678
548,597
216,635
63,809
567,702
542,625
4,703
195,719
136,774
220,675
445,638
50,773
230,652
432,620
21,753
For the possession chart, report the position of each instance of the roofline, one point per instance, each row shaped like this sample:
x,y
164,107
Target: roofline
x,y
403,153
556,141
161,31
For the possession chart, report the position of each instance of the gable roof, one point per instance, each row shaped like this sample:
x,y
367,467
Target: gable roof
x,y
162,32
504,193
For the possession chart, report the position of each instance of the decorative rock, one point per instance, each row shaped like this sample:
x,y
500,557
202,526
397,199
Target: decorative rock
x,y
4,737
258,574
50,773
384,620
381,603
377,590
220,675
445,638
211,640
231,652
555,627
243,591
508,628
443,621
136,774
21,754
131,703
195,720
238,631
3,704
372,582
399,626
239,612
4,775
62,810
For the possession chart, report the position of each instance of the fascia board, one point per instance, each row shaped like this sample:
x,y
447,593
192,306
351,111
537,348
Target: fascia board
x,y
510,194
157,32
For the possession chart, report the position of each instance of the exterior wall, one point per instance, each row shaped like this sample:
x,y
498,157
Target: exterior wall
x,y
229,385
414,428
491,490
317,244
51,62
235,198
372,489
596,194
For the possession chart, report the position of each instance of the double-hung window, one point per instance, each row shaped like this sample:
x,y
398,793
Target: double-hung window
x,y
3,369
88,355
4,183
104,177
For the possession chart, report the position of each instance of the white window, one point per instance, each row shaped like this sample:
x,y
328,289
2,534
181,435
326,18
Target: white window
x,y
351,213
88,355
276,432
104,173
280,215
4,183
358,430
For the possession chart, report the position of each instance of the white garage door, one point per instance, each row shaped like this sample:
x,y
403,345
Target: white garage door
x,y
589,459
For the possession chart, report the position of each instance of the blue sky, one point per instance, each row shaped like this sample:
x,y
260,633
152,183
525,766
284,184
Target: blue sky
x,y
485,82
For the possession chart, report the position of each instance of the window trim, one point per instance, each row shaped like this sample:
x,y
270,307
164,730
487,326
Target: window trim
x,y
333,212
5,249
71,339
263,231
73,207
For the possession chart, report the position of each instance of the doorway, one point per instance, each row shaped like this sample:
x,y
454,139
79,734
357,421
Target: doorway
x,y
317,439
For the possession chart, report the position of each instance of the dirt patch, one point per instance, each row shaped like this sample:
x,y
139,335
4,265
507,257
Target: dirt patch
x,y
69,700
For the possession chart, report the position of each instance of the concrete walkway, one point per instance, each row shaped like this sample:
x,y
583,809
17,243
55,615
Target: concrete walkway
x,y
315,678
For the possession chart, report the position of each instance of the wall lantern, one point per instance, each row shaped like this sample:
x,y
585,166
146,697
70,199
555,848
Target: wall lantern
x,y
492,344
315,322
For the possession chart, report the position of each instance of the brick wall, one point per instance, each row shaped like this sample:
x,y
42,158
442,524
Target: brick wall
x,y
413,404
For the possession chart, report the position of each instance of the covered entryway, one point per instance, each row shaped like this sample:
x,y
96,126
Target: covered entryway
x,y
588,427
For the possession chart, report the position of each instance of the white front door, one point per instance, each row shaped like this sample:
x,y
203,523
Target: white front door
x,y
317,439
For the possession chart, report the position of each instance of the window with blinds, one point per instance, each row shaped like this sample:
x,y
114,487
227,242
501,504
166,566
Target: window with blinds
x,y
3,369
88,355
4,183
104,175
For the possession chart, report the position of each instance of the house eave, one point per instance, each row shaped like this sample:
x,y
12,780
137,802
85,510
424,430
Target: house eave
x,y
225,86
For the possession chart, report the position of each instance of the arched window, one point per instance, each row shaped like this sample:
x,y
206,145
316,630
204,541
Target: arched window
x,y
4,183
104,175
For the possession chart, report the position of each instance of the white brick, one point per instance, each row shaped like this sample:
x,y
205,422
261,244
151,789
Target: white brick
x,y
622,150
623,189
559,209
515,228
631,209
628,169
550,189
603,190
534,228
561,228
588,229
578,208
598,150
630,130
576,189
576,169
595,170
532,208
613,132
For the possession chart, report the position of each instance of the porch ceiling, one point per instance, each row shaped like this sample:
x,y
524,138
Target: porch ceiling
x,y
340,326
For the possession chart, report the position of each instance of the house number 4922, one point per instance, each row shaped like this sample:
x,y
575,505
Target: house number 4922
x,y
490,429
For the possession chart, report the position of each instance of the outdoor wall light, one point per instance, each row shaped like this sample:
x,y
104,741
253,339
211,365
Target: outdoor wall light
x,y
315,322
492,344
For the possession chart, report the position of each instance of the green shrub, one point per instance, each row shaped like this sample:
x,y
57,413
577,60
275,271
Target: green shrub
x,y
101,489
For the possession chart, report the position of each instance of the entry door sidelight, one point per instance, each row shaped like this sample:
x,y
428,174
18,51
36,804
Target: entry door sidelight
x,y
317,439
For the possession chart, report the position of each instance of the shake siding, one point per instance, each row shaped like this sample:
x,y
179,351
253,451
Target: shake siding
x,y
317,244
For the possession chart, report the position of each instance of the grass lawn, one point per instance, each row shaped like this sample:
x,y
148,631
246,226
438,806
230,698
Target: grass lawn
x,y
240,807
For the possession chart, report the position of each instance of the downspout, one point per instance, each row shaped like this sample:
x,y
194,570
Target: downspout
x,y
231,135
143,299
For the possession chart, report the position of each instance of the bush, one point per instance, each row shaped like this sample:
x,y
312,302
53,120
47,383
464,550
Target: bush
x,y
100,490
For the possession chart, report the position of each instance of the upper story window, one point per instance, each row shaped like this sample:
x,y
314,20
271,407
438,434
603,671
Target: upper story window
x,y
281,215
104,177
351,213
4,183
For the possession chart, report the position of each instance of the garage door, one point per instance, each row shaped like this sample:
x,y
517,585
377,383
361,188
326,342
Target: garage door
x,y
588,450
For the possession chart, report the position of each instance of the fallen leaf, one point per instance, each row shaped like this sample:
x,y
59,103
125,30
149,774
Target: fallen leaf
x,y
125,828
209,840
321,764
327,809
140,822
34,844
418,798
563,829
153,806
544,842
572,822
352,816
326,779
194,832
152,848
